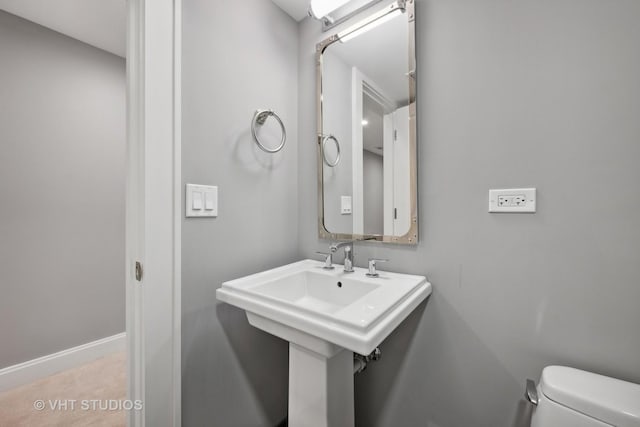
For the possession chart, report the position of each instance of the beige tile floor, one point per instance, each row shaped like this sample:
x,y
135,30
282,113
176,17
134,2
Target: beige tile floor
x,y
103,380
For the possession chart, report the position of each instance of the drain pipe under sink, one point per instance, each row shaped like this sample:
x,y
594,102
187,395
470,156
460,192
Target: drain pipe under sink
x,y
360,362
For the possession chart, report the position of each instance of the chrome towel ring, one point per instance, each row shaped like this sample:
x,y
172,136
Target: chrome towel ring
x,y
259,117
325,139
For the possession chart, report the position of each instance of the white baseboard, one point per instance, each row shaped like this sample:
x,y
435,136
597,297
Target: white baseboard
x,y
32,370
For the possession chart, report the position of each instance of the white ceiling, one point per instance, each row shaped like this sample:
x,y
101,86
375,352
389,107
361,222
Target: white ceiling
x,y
297,9
100,23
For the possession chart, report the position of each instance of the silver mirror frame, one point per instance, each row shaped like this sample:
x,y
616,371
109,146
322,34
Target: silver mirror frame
x,y
411,237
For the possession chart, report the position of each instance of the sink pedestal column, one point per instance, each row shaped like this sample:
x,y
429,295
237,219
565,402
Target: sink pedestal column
x,y
320,388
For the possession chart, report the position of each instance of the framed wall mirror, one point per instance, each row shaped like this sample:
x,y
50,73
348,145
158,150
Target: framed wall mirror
x,y
367,137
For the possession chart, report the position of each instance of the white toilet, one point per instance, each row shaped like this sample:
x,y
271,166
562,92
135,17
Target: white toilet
x,y
568,397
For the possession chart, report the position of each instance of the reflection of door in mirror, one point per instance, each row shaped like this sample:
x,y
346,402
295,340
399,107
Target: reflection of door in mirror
x,y
397,200
381,180
369,106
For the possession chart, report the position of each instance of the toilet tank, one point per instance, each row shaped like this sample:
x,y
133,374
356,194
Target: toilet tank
x,y
569,397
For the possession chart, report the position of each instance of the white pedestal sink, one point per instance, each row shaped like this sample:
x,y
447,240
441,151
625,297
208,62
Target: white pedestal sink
x,y
326,315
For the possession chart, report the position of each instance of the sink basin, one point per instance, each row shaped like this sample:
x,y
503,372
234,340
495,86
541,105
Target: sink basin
x,y
315,291
349,310
326,315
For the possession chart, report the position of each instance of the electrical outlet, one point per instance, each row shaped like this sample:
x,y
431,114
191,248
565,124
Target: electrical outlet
x,y
513,200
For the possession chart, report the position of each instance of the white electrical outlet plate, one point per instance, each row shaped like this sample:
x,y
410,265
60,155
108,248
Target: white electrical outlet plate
x,y
515,200
201,201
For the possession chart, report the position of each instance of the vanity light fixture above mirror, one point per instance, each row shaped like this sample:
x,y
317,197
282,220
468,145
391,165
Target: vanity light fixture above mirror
x,y
321,8
334,12
372,21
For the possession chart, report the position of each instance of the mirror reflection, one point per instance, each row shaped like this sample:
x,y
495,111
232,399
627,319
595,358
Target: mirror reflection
x,y
365,106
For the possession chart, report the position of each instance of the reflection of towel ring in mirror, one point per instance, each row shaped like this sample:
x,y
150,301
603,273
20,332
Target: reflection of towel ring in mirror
x,y
259,118
326,139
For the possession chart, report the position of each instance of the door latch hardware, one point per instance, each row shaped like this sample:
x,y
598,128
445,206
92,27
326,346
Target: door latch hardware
x,y
138,271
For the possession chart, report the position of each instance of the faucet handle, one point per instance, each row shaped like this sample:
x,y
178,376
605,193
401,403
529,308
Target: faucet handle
x,y
372,266
328,260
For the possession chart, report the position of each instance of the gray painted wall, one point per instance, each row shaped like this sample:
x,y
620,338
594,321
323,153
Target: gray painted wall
x,y
62,184
533,93
542,94
236,59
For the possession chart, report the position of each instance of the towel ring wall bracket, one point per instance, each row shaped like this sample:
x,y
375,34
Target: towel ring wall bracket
x,y
259,119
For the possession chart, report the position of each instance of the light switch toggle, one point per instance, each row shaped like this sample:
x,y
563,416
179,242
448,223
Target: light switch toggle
x,y
196,201
209,202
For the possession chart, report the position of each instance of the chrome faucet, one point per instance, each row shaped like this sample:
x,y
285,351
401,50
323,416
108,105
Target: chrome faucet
x,y
348,254
373,263
328,260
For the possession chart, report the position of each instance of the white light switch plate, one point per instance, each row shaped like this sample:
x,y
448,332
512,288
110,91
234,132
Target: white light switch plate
x,y
345,205
515,200
205,198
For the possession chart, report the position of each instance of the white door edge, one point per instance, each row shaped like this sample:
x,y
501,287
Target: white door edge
x,y
153,218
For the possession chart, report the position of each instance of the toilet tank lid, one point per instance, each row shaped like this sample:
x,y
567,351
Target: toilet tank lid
x,y
607,399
